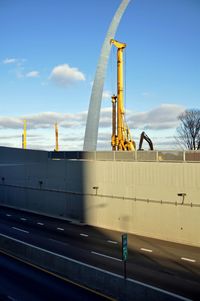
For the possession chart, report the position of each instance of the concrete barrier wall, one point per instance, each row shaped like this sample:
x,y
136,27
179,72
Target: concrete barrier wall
x,y
102,281
143,198
136,197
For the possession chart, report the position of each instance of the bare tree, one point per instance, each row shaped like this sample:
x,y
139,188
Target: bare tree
x,y
188,133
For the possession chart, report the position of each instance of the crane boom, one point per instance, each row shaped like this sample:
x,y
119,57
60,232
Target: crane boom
x,y
122,139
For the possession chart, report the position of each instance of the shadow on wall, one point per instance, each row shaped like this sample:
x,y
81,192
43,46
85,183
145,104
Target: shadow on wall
x,y
36,182
32,181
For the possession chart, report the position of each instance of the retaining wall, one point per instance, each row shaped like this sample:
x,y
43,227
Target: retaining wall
x,y
155,199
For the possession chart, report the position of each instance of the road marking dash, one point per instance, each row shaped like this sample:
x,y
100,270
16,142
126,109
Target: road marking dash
x,y
188,259
23,219
60,229
83,234
146,250
41,224
112,242
8,215
106,256
18,229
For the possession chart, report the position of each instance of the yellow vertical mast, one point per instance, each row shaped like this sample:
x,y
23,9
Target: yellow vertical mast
x,y
120,92
56,136
123,140
24,136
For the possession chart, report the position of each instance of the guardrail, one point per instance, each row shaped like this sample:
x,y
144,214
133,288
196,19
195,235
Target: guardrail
x,y
154,156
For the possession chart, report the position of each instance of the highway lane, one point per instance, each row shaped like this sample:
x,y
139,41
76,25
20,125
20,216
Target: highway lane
x,y
152,261
19,281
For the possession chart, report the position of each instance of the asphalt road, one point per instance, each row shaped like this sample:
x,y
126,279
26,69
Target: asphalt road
x,y
22,282
169,266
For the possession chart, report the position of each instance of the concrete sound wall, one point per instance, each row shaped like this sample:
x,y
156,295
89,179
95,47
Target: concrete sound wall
x,y
142,198
156,199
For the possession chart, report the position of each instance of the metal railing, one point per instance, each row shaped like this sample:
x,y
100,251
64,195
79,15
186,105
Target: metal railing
x,y
186,203
145,156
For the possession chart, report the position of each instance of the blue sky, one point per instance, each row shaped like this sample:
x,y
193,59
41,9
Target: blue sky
x,y
48,55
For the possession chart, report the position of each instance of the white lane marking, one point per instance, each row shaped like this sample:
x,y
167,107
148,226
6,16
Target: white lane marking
x,y
18,229
41,224
60,229
8,215
103,255
188,259
146,250
84,235
97,269
23,219
112,242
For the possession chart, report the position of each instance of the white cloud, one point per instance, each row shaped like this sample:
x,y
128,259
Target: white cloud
x,y
15,61
33,74
44,120
10,122
64,75
162,117
72,127
106,94
9,61
105,117
19,68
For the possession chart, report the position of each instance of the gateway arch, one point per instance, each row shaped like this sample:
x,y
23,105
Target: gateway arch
x,y
91,131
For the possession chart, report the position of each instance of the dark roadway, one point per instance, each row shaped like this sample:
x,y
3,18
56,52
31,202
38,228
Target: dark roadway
x,y
169,266
19,281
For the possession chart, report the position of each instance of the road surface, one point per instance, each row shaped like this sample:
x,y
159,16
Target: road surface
x,y
19,281
169,266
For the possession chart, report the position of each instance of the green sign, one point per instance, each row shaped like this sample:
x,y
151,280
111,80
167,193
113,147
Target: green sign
x,y
124,246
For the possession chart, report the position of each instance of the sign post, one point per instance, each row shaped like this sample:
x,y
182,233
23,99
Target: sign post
x,y
124,251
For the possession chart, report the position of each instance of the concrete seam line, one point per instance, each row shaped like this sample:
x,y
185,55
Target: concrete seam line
x,y
100,195
98,269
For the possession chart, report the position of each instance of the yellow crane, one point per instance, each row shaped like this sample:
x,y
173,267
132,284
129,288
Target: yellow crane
x,y
24,136
121,137
56,136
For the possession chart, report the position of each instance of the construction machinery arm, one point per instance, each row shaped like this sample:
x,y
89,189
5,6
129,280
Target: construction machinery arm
x,y
143,137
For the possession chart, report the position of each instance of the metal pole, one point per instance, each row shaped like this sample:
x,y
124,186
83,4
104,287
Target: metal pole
x,y
125,269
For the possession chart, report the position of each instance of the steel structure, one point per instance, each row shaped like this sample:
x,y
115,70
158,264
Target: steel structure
x,y
91,131
121,137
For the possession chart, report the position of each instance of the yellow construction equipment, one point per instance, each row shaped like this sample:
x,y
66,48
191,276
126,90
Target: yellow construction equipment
x,y
121,137
56,136
24,136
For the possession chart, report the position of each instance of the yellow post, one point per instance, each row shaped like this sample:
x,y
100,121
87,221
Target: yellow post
x,y
24,136
114,127
56,135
